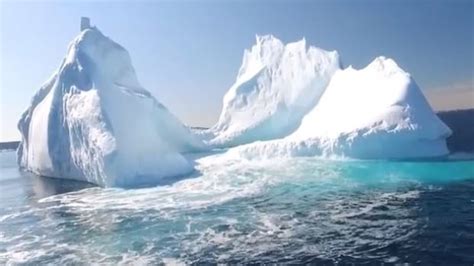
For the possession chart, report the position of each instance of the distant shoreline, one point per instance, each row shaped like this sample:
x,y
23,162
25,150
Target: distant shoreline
x,y
9,145
462,139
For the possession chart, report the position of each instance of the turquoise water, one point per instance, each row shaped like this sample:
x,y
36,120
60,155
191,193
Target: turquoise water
x,y
301,210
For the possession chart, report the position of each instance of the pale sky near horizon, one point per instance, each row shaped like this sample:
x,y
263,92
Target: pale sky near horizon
x,y
187,53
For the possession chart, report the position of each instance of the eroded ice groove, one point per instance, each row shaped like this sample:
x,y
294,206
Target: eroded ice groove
x,y
276,86
93,121
377,112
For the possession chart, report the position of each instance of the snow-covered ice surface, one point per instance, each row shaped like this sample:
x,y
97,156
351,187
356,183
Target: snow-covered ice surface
x,y
93,121
276,86
374,113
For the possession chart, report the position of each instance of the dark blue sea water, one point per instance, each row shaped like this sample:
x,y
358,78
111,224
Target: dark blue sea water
x,y
302,210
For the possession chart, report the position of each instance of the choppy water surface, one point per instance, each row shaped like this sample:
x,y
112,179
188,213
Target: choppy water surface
x,y
290,211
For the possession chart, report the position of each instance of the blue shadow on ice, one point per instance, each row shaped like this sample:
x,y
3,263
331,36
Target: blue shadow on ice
x,y
47,186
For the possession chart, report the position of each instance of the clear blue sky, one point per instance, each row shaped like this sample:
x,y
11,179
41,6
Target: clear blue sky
x,y
187,53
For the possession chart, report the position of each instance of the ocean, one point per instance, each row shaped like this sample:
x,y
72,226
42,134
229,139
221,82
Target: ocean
x,y
298,210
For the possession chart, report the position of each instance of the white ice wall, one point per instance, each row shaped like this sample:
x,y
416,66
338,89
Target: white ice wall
x,y
93,121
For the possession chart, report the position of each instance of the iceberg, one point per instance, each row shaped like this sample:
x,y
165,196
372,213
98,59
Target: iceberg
x,y
92,121
378,112
277,85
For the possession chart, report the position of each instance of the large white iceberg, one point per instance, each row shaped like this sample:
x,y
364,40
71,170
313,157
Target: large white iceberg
x,y
378,112
93,121
276,86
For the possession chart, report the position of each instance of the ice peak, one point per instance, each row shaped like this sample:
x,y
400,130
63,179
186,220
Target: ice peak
x,y
85,23
268,38
90,35
93,42
268,50
265,37
276,86
384,64
266,47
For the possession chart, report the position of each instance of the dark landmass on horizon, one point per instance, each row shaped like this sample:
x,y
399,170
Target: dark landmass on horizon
x,y
9,145
461,123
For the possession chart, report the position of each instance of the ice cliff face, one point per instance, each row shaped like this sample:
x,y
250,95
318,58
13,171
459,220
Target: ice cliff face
x,y
374,113
93,121
276,86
